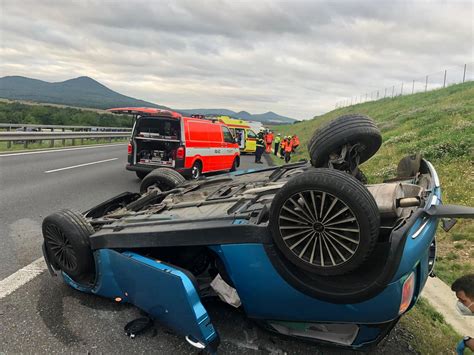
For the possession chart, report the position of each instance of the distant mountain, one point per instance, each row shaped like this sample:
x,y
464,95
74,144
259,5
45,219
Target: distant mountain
x,y
267,117
86,92
81,92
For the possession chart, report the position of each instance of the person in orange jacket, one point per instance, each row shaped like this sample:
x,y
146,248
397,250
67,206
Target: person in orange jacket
x,y
288,149
295,141
268,142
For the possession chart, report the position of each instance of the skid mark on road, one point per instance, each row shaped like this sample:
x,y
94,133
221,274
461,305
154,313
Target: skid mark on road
x,y
80,165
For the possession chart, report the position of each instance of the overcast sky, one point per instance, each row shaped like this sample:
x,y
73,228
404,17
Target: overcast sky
x,y
296,58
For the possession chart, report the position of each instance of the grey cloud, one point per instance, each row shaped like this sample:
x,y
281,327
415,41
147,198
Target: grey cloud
x,y
293,57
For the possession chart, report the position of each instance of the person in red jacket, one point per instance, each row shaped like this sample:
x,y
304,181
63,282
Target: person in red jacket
x,y
268,142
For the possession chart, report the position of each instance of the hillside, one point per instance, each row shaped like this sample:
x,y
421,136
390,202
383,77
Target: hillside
x,y
81,92
267,117
440,125
87,92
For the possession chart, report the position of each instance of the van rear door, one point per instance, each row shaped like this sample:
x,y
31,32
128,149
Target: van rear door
x,y
156,140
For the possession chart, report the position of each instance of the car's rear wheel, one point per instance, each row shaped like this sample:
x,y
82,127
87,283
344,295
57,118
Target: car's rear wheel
x,y
345,142
66,237
325,222
163,178
235,164
196,170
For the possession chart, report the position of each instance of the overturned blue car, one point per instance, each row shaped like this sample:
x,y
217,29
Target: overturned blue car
x,y
307,250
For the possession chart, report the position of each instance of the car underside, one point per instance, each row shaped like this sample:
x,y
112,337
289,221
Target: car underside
x,y
305,249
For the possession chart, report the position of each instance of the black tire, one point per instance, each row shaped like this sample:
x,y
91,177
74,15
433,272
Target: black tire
x,y
196,170
347,129
141,174
235,164
163,178
310,233
66,237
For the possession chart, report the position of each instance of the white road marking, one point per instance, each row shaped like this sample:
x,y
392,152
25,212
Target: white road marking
x,y
21,277
80,165
58,150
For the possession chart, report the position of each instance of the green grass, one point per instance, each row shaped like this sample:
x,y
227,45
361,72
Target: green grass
x,y
432,335
440,125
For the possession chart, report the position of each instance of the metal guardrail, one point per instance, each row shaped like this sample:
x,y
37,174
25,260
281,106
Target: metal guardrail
x,y
83,128
73,132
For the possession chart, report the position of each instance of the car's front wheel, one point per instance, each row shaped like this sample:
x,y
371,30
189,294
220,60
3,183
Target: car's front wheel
x,y
325,222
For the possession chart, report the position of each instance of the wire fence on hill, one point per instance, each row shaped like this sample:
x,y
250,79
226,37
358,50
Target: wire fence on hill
x,y
433,81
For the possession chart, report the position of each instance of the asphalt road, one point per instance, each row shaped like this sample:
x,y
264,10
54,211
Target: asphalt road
x,y
46,316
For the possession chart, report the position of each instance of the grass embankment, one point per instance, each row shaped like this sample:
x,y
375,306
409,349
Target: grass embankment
x,y
440,125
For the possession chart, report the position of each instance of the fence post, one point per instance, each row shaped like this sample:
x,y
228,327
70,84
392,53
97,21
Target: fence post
x,y
426,83
401,90
444,82
413,87
464,74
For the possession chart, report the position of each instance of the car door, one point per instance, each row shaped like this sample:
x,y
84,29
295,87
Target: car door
x,y
228,148
251,141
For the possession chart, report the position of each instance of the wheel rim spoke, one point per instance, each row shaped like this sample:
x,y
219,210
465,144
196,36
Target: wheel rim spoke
x,y
292,220
307,245
300,241
314,248
330,208
314,205
337,214
296,214
294,235
307,207
344,229
298,207
329,251
336,249
347,220
341,244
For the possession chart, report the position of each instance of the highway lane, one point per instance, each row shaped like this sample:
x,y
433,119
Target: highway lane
x,y
35,184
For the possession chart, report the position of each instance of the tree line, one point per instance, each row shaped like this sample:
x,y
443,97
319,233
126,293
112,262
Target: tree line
x,y
19,113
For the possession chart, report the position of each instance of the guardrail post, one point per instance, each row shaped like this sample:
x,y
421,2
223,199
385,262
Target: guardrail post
x,y
51,142
64,141
9,143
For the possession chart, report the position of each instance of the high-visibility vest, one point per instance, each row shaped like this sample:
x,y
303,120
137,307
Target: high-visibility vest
x,y
277,139
289,147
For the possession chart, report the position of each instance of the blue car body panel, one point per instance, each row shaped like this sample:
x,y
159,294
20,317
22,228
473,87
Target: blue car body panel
x,y
262,291
161,290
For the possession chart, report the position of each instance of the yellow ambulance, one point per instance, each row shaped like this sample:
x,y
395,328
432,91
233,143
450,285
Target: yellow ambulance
x,y
246,137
